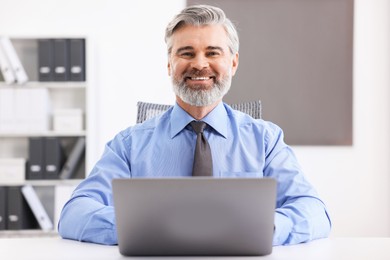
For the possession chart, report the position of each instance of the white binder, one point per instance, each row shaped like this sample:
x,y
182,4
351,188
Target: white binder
x,y
37,208
5,68
16,65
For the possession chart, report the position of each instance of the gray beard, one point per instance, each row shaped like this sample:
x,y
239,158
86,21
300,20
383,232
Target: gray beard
x,y
199,97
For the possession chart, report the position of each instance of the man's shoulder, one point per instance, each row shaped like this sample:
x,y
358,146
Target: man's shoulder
x,y
148,126
245,120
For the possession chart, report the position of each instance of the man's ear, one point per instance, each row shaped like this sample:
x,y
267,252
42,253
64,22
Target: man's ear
x,y
169,68
235,64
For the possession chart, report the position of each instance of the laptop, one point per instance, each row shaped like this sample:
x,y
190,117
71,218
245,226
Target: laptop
x,y
194,216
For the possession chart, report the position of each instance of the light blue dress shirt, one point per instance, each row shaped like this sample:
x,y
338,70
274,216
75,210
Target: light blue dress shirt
x,y
164,146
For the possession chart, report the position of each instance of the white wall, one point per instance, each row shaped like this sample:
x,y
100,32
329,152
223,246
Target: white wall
x,y
129,64
355,181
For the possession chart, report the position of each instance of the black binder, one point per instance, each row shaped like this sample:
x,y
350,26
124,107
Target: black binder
x,y
77,59
3,207
45,60
54,158
19,213
61,59
36,157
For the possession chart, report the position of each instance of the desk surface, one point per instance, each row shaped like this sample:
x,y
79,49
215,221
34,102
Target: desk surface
x,y
331,248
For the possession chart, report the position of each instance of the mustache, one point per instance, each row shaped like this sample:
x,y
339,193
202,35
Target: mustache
x,y
199,73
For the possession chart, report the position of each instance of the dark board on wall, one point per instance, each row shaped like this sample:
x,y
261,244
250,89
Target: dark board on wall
x,y
296,57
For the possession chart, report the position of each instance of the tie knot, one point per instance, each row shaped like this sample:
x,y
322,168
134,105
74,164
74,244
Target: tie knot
x,y
198,126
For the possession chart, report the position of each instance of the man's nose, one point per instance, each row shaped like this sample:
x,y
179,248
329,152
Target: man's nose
x,y
200,62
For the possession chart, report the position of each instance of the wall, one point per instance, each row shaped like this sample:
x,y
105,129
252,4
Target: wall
x,y
355,181
130,65
296,57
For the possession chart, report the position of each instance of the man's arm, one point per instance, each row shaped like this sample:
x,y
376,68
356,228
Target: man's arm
x,y
300,215
84,219
89,214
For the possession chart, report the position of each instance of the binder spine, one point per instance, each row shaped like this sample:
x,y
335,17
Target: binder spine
x,y
77,59
19,214
45,60
37,208
73,160
36,158
53,159
5,67
16,65
61,59
3,207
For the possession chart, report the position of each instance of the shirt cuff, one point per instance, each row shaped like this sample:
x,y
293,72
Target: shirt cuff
x,y
283,228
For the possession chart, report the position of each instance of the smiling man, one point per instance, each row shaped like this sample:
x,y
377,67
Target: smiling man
x,y
201,66
202,59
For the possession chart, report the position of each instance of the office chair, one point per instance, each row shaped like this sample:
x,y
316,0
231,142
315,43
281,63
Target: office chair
x,y
147,110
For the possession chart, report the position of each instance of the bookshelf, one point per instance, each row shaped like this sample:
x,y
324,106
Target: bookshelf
x,y
62,95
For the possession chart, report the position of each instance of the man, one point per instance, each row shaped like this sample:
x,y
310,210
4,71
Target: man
x,y
202,58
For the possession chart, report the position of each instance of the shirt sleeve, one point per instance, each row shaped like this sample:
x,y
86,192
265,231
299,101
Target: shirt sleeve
x,y
300,214
89,214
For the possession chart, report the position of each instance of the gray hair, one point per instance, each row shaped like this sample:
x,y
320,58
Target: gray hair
x,y
198,15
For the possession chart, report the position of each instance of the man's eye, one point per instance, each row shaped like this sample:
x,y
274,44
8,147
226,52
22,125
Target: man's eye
x,y
187,54
212,53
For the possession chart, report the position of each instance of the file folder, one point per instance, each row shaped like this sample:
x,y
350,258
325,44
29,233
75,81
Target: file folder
x,y
37,208
77,59
36,111
61,59
16,66
12,171
54,158
5,68
7,110
3,207
36,158
73,159
19,213
45,60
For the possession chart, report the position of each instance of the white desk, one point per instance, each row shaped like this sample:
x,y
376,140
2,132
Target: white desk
x,y
332,249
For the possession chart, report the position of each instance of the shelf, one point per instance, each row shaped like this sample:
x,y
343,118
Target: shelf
x,y
49,85
27,233
45,134
42,183
52,97
69,182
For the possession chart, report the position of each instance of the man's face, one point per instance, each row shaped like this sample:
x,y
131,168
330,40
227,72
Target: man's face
x,y
200,64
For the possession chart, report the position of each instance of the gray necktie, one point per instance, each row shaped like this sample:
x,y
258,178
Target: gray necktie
x,y
203,163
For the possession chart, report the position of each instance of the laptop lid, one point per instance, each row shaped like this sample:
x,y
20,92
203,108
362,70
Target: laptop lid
x,y
194,216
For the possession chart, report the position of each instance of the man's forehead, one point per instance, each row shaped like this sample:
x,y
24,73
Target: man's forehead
x,y
205,36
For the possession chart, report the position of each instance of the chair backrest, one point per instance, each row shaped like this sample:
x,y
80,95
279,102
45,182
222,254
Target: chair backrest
x,y
148,110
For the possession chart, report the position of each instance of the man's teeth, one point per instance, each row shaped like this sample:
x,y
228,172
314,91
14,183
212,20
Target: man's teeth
x,y
200,78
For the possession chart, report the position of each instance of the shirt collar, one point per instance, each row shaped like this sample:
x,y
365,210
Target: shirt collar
x,y
217,119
